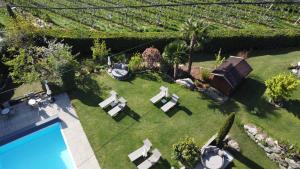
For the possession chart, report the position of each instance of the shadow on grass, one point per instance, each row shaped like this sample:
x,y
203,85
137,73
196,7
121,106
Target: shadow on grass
x,y
250,94
293,106
243,159
154,76
88,92
161,164
177,108
127,112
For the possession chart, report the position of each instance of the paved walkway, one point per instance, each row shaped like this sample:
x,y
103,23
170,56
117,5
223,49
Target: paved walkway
x,y
76,139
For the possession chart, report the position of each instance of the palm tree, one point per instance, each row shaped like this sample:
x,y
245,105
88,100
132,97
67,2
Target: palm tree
x,y
175,53
196,33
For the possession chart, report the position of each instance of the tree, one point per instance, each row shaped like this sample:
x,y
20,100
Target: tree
x,y
152,56
281,86
100,51
187,152
224,130
196,33
41,63
135,62
175,53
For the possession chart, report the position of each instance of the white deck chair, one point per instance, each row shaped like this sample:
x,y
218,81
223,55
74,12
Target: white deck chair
x,y
171,103
142,151
163,93
120,106
109,100
149,162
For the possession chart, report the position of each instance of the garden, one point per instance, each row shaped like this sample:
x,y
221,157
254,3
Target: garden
x,y
268,98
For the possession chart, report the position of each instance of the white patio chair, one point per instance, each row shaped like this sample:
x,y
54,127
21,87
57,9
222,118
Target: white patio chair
x,y
109,100
171,103
163,93
119,107
149,162
142,151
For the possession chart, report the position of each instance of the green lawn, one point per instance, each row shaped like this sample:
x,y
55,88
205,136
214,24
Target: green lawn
x,y
113,139
196,116
282,124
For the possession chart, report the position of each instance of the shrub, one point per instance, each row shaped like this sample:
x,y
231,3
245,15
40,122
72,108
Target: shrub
x,y
100,51
135,62
281,86
187,152
219,59
224,130
205,75
119,58
152,56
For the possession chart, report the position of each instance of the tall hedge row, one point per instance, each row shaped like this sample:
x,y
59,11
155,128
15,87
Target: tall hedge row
x,y
228,40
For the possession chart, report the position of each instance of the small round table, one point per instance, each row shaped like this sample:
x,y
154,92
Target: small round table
x,y
214,162
119,73
32,102
5,111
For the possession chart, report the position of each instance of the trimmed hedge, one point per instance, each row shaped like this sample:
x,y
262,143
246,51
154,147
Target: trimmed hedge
x,y
228,40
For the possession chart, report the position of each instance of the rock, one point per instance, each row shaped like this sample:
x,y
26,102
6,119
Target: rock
x,y
234,145
270,141
268,150
187,82
261,145
277,149
292,164
250,128
274,157
261,136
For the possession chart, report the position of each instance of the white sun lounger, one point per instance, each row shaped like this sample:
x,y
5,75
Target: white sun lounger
x,y
108,101
171,103
142,151
149,162
163,93
120,106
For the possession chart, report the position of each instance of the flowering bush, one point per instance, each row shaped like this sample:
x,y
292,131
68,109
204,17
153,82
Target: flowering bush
x,y
152,56
187,152
281,86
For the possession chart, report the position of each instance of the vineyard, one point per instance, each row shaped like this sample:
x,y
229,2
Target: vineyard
x,y
160,19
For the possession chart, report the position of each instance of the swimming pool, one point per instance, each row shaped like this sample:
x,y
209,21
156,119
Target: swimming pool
x,y
43,149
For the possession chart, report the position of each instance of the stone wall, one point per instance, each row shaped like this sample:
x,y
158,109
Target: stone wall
x,y
282,154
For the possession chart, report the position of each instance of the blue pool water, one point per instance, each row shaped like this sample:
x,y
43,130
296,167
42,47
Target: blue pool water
x,y
44,149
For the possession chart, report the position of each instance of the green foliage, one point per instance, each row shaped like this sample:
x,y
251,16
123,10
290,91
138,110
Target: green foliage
x,y
176,53
41,63
135,62
121,57
224,130
281,86
100,51
21,33
219,59
187,152
205,75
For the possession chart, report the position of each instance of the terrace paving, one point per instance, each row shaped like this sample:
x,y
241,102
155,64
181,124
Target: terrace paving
x,y
76,140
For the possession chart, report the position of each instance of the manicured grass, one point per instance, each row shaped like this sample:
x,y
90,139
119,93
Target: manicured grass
x,y
113,139
283,123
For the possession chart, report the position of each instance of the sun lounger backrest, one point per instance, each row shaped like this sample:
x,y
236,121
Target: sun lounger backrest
x,y
175,97
155,156
113,92
147,143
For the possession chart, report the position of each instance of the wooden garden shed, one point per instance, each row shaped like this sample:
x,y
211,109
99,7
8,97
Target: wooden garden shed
x,y
230,74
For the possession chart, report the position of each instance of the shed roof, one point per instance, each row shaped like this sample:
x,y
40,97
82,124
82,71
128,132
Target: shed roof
x,y
233,69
